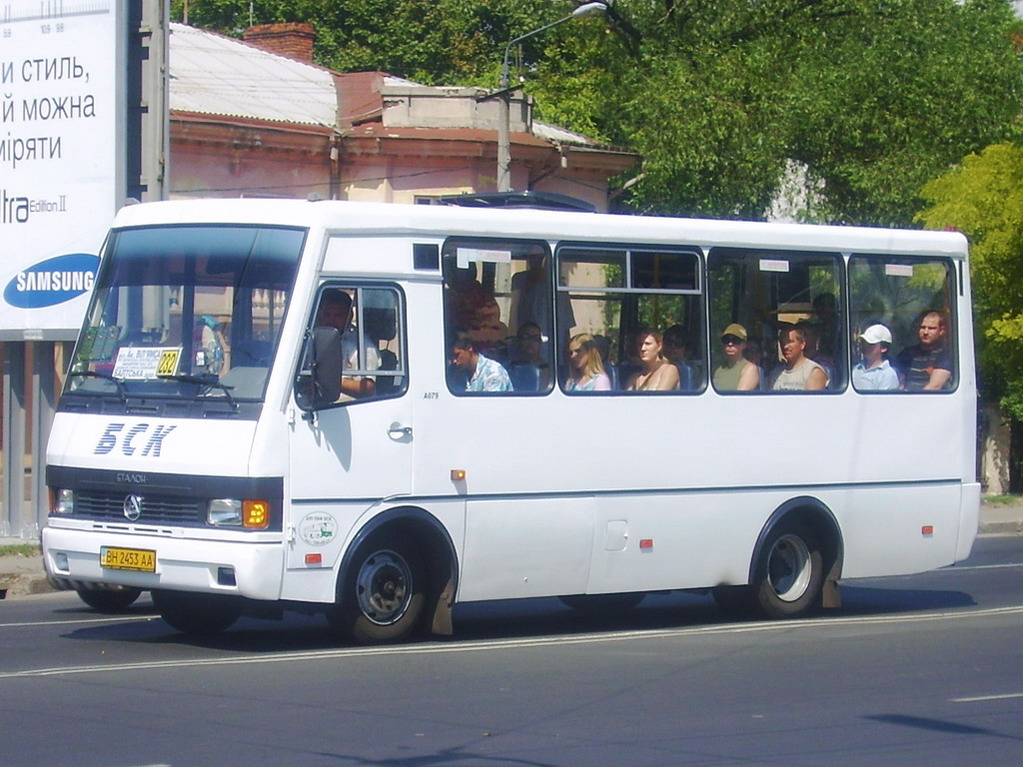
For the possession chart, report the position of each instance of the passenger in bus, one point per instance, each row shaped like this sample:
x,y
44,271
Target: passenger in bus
x,y
527,367
336,311
585,365
927,366
487,330
799,373
657,373
482,373
531,299
873,372
675,350
736,373
812,333
464,297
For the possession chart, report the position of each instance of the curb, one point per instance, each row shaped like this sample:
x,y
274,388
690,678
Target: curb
x,y
19,585
1002,528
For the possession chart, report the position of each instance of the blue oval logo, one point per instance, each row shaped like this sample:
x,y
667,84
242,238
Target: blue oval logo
x,y
52,281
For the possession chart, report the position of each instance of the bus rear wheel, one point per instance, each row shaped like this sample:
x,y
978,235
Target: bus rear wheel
x,y
197,614
790,572
383,593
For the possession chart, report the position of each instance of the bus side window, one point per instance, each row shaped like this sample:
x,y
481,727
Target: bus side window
x,y
781,312
637,319
369,322
902,324
498,316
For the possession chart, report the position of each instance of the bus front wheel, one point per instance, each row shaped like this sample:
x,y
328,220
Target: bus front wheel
x,y
383,593
789,573
105,598
197,614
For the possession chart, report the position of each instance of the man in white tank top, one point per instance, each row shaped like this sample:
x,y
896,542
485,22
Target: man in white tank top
x,y
800,372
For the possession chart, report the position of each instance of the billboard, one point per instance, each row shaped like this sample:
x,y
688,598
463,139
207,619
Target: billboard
x,y
62,81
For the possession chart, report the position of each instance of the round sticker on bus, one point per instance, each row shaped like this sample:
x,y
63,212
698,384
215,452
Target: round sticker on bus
x,y
317,529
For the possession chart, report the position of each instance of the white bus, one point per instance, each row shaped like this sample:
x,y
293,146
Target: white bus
x,y
514,403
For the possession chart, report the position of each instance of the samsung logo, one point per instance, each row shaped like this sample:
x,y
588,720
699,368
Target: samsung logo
x,y
53,281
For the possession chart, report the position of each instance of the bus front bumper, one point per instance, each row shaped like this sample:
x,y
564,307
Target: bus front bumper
x,y
250,570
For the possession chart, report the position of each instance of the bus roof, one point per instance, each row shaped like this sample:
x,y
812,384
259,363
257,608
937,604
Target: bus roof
x,y
371,218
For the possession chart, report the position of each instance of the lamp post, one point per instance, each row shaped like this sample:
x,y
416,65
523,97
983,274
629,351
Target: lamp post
x,y
504,119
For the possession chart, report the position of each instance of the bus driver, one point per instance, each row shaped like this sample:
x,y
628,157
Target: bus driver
x,y
336,312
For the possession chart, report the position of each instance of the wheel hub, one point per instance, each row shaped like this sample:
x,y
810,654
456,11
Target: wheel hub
x,y
383,587
789,568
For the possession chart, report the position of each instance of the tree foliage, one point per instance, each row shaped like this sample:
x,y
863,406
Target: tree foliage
x,y
722,98
983,198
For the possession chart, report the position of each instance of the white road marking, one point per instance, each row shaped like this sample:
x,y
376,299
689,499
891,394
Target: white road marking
x,y
978,698
507,644
76,621
958,569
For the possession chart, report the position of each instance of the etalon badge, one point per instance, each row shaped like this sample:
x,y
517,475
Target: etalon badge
x,y
132,507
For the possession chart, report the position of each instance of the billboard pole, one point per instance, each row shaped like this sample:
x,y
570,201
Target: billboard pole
x,y
83,131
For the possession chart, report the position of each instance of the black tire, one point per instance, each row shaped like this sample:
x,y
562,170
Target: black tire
x,y
789,573
105,598
601,604
197,614
735,601
382,595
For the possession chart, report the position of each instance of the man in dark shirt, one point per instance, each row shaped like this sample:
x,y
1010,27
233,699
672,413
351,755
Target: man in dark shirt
x,y
927,366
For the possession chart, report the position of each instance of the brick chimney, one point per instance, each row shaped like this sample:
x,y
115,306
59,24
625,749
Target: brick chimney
x,y
293,40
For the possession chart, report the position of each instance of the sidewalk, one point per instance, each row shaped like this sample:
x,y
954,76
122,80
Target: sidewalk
x,y
21,575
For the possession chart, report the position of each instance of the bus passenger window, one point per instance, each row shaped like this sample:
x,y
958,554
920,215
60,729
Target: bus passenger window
x,y
498,315
780,320
636,317
902,324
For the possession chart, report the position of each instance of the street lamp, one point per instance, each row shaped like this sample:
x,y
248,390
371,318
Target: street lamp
x,y
504,121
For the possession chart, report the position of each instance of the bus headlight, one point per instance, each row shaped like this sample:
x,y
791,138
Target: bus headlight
x,y
62,500
253,514
225,511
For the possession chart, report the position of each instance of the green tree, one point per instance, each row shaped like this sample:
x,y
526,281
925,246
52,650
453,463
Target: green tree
x,y
983,198
431,41
871,98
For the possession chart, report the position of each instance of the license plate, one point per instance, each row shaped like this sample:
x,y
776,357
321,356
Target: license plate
x,y
142,560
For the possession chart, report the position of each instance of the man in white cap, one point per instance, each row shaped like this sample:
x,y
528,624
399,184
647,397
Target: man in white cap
x,y
874,372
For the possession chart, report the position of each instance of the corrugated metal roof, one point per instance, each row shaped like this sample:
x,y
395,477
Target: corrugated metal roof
x,y
216,75
553,133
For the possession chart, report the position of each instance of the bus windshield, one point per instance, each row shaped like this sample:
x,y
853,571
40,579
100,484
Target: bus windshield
x,y
186,313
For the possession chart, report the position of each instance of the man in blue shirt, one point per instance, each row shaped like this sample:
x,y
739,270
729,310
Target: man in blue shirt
x,y
874,372
483,373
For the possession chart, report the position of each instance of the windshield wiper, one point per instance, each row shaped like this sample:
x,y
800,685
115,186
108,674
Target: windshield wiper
x,y
208,382
121,388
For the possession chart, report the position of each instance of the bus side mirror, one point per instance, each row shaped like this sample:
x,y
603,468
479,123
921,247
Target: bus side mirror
x,y
319,380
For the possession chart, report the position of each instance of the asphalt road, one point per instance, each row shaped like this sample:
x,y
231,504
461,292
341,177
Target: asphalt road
x,y
913,670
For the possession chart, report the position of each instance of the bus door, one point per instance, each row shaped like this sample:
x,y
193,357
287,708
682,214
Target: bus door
x,y
349,455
